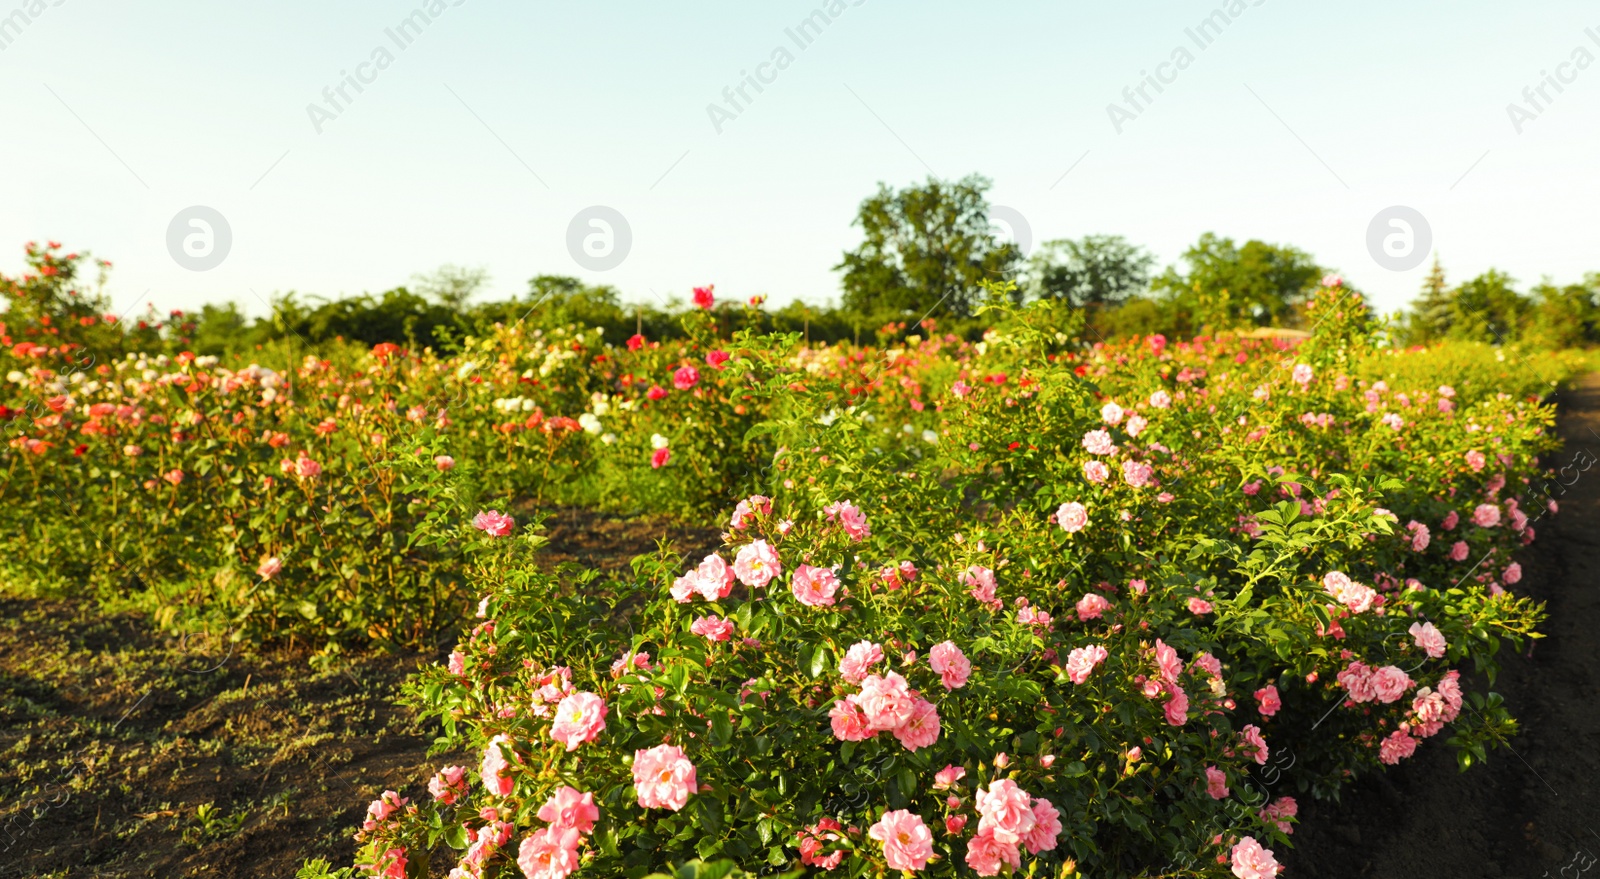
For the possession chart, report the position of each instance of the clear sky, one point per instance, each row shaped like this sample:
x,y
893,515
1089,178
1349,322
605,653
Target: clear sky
x,y
482,138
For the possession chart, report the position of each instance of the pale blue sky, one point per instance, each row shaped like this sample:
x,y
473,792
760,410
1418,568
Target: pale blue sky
x,y
1297,125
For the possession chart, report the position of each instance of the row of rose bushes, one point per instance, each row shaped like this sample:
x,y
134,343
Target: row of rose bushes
x,y
1104,616
304,500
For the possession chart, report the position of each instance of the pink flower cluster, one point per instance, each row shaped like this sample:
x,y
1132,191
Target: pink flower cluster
x,y
552,852
1365,684
850,518
1357,597
712,579
1009,818
493,523
884,704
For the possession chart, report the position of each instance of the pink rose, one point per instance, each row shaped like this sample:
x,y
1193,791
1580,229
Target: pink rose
x,y
1098,442
848,722
1081,662
1267,700
886,701
270,567
713,579
859,660
1161,400
981,585
754,505
907,843
1111,413
850,518
493,523
756,564
1096,471
494,766
444,462
1398,746
1046,827
921,729
813,587
950,664
1429,638
1167,662
1458,551
1176,708
663,777
1199,606
1091,606
449,784
1251,861
551,853
715,359
1356,680
1136,425
1216,783
1254,743
580,718
713,627
1389,684
1476,460
1072,517
1137,473
1279,812
947,777
987,854
1005,809
570,808
1486,516
660,457
1512,573
685,378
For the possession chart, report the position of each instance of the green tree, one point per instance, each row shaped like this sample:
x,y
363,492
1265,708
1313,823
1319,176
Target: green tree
x,y
451,285
1259,283
1487,309
924,250
1096,270
1565,317
1433,312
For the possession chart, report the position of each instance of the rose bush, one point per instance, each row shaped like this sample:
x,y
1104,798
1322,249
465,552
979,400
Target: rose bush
x,y
1076,618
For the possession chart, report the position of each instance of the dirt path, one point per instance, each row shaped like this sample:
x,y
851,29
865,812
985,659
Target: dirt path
x,y
1532,809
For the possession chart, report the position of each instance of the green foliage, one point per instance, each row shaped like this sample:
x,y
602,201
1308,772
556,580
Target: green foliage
x,y
925,250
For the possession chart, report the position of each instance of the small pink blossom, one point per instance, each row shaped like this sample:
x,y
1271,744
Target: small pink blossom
x,y
1096,471
859,660
685,378
756,564
569,808
986,854
848,722
1398,746
1111,413
1254,743
1216,783
886,701
494,766
1072,517
907,843
1251,861
449,784
663,777
269,568
1389,684
1091,606
1486,516
1458,551
950,664
850,518
712,627
813,587
1267,700
921,729
1006,809
1199,606
580,718
1428,637
947,777
1081,662
493,523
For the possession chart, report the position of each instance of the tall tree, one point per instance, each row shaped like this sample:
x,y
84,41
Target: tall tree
x,y
1095,270
1433,313
925,249
450,285
1487,308
1258,283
